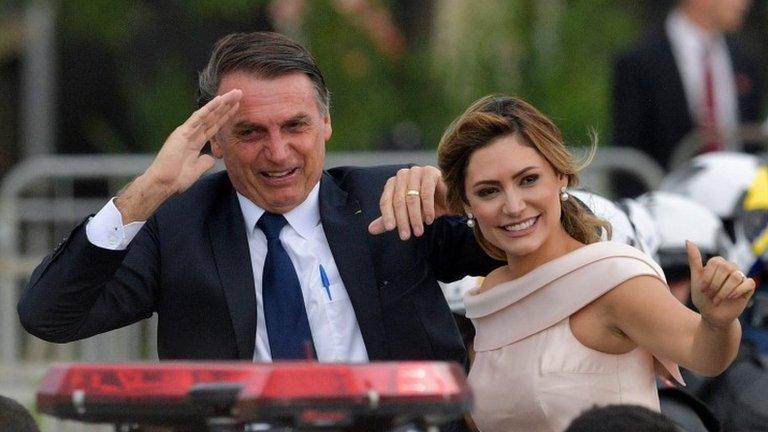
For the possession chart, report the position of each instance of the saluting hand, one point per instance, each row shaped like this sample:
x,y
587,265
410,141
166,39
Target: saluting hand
x,y
719,290
179,163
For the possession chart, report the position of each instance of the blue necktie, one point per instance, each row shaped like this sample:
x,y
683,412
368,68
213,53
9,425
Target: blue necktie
x,y
284,312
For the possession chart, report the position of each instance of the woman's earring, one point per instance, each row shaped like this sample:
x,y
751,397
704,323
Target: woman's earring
x,y
563,194
470,220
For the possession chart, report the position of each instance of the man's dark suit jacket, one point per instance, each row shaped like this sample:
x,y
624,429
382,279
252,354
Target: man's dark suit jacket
x,y
650,110
190,263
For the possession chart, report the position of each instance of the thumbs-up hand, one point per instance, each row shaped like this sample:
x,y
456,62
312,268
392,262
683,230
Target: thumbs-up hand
x,y
718,289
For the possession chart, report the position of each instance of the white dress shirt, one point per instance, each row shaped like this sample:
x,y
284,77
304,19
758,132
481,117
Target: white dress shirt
x,y
688,44
332,320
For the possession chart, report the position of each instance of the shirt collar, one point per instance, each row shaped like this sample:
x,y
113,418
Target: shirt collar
x,y
689,35
303,218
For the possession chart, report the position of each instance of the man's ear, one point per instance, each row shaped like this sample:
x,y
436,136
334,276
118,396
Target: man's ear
x,y
216,147
327,125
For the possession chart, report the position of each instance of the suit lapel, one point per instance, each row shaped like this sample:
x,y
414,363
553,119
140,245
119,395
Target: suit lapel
x,y
346,231
233,264
676,106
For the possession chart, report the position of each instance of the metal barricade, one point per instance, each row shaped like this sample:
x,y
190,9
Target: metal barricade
x,y
39,204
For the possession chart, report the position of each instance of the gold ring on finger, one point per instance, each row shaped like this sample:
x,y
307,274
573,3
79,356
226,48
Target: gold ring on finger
x,y
412,192
740,274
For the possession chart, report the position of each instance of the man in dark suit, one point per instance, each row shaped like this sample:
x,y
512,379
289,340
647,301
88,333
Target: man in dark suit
x,y
660,86
198,252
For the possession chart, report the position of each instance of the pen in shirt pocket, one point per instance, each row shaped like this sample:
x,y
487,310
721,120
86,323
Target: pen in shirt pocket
x,y
325,281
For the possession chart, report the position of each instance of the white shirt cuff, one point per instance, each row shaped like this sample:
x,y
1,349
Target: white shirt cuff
x,y
106,229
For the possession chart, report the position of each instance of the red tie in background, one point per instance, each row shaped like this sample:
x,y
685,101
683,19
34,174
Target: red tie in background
x,y
710,135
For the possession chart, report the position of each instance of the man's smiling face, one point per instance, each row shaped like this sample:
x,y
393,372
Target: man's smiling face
x,y
274,145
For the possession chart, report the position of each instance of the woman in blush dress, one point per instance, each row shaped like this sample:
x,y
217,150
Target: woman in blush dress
x,y
569,322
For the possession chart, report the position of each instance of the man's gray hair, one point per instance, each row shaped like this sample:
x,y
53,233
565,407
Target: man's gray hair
x,y
265,55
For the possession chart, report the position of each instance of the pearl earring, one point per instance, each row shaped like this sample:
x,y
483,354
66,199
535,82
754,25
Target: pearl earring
x,y
470,220
563,194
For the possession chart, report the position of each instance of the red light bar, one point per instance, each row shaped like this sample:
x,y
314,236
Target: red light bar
x,y
317,394
301,393
131,391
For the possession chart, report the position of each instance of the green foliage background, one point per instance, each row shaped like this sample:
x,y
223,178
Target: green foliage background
x,y
555,53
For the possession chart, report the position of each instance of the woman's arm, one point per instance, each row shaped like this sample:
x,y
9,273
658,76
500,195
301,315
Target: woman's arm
x,y
646,312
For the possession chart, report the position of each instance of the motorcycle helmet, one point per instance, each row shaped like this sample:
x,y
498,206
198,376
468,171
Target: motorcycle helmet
x,y
678,219
621,227
715,180
643,226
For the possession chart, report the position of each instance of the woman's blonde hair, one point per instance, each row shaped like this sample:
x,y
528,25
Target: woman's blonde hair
x,y
497,116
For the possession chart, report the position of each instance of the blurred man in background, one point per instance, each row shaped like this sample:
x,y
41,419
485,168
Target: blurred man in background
x,y
691,77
